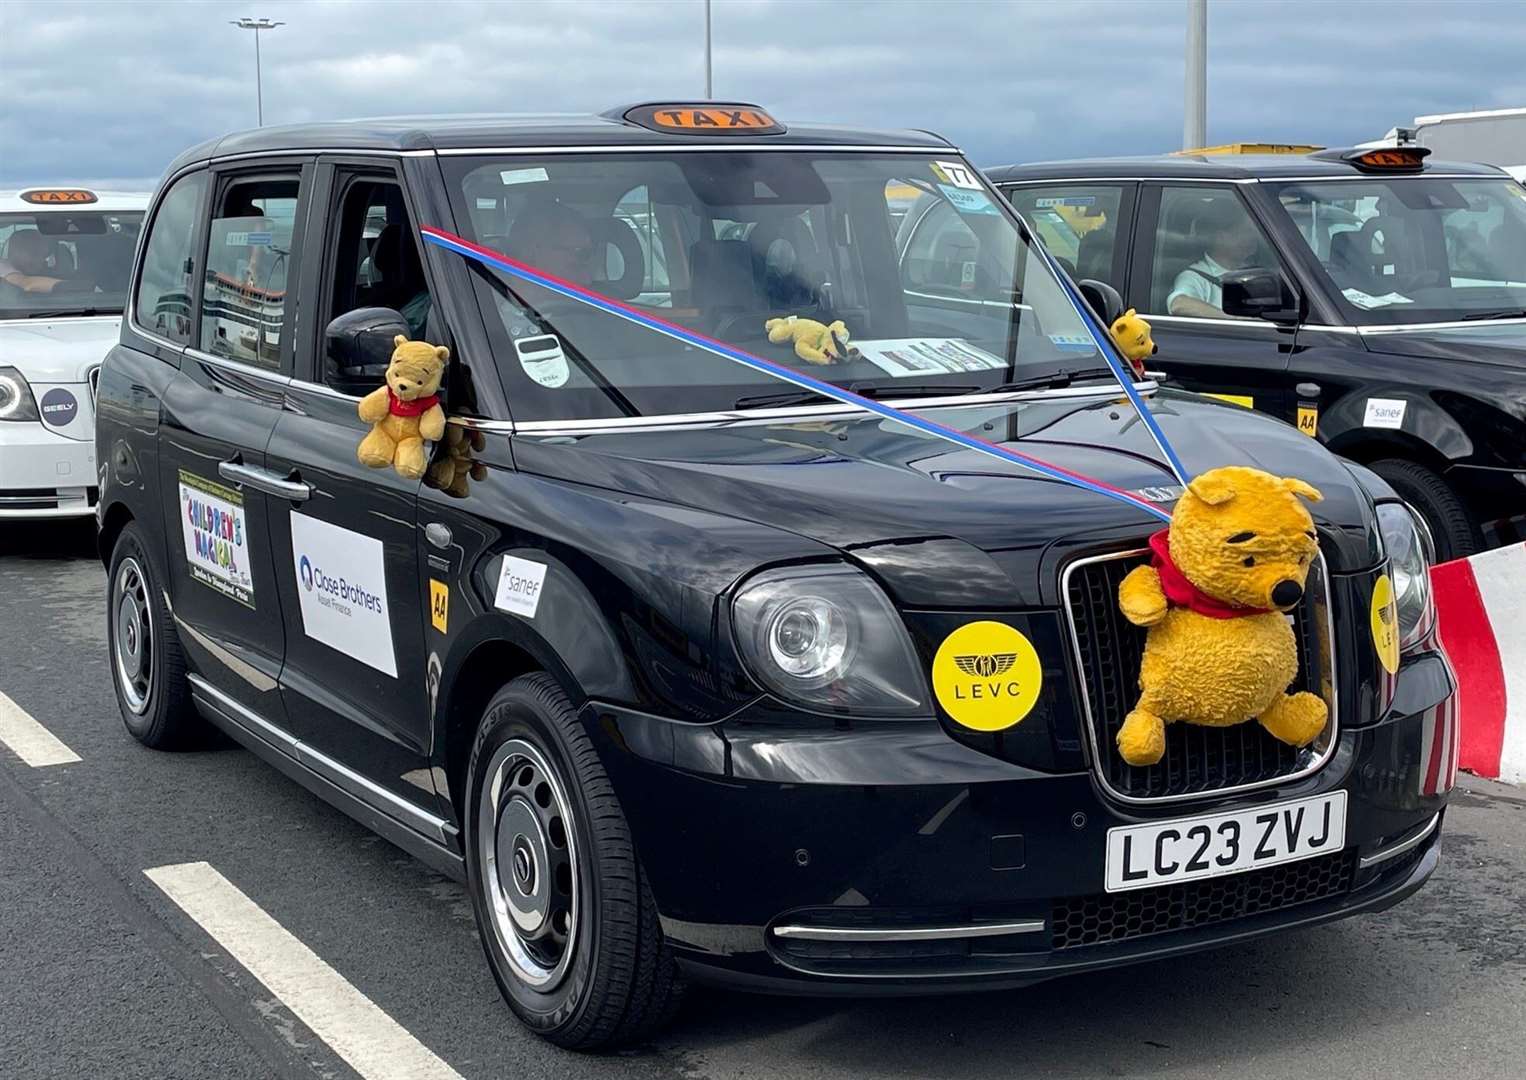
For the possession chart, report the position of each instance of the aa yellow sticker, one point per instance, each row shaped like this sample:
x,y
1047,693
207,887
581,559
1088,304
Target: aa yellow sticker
x,y
1385,624
1308,420
439,604
987,676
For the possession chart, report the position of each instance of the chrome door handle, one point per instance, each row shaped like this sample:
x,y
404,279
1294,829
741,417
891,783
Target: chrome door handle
x,y
265,480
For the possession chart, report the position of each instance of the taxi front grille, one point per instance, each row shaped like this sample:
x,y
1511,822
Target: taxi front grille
x,y
1108,918
1198,760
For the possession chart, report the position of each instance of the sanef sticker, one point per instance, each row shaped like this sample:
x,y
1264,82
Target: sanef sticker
x,y
987,676
1384,413
519,584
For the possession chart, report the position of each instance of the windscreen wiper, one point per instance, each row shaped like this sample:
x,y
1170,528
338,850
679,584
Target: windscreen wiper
x,y
1507,313
871,390
60,313
1054,380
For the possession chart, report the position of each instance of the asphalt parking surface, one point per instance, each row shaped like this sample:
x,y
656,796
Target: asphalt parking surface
x,y
102,975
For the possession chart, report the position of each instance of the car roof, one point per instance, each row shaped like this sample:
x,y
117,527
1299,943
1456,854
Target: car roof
x,y
1215,167
561,131
110,201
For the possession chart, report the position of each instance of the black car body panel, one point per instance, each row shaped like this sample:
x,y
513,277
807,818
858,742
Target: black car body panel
x,y
747,811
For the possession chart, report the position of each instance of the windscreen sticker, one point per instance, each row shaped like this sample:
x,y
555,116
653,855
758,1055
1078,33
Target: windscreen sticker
x,y
542,358
519,586
1368,301
1078,343
523,176
956,173
902,357
248,239
342,591
968,202
1064,200
987,676
1384,413
1385,624
216,537
439,604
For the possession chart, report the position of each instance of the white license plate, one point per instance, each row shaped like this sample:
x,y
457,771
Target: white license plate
x,y
1216,844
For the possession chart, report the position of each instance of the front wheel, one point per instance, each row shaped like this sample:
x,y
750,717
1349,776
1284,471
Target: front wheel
x,y
562,906
1451,525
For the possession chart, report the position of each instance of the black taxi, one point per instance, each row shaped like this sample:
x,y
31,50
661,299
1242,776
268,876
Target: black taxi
x,y
652,656
1373,297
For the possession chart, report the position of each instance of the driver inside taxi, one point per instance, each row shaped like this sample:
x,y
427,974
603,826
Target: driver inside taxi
x,y
1230,245
553,239
25,265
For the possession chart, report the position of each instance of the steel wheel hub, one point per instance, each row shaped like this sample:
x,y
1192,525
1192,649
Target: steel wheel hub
x,y
132,623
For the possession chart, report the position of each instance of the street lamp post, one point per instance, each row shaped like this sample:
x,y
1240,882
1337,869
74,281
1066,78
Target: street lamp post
x,y
1195,103
259,93
709,91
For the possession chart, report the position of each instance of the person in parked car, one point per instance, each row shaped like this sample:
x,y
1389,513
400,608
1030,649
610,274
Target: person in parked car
x,y
25,265
553,238
1230,243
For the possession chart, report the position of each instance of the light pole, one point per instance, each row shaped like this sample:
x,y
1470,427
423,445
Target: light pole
x,y
257,25
709,93
1195,103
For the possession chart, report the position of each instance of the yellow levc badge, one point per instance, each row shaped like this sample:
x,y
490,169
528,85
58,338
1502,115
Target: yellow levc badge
x,y
987,676
439,604
1385,624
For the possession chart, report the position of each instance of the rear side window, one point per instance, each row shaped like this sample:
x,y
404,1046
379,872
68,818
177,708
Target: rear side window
x,y
162,304
243,299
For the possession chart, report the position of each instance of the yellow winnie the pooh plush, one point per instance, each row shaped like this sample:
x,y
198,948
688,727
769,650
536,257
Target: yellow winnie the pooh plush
x,y
815,343
1220,650
406,411
1132,335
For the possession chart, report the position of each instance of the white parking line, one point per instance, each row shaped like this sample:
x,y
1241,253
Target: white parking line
x,y
31,742
371,1042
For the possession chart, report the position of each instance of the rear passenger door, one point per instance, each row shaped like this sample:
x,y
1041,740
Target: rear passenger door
x,y
216,418
347,559
1241,360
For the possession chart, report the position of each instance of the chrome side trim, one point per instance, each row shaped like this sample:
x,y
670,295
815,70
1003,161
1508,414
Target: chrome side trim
x,y
320,389
1393,851
490,427
467,151
1093,754
1218,324
1473,324
918,933
1127,180
676,421
351,782
357,151
262,374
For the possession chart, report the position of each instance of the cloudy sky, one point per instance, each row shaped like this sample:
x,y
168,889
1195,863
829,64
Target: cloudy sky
x,y
114,89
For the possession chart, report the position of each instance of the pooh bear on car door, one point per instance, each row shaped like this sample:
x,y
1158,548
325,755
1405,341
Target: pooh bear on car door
x,y
405,412
1220,650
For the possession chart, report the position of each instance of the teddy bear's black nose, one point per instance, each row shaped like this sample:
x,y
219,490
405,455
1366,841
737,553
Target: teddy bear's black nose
x,y
1287,593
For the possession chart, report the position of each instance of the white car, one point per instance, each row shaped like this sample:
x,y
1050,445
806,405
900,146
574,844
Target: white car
x,y
65,258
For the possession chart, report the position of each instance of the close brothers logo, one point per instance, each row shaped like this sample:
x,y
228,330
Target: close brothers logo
x,y
337,592
305,568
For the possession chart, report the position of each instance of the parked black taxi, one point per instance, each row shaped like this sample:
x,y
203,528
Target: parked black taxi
x,y
1373,297
648,665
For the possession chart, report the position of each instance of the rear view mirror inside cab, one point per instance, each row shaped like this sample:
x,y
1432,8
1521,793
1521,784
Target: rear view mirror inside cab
x,y
357,348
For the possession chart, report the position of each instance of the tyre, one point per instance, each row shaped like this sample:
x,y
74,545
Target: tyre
x,y
562,906
1451,525
147,666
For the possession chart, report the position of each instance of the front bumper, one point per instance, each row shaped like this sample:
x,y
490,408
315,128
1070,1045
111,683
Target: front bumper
x,y
44,474
897,830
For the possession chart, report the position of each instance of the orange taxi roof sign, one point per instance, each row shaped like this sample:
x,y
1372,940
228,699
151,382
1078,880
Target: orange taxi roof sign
x,y
705,118
58,196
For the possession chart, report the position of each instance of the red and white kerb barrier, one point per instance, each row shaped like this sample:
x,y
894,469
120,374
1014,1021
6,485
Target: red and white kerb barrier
x,y
1481,605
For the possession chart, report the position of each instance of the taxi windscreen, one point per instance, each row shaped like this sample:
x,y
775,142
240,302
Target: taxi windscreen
x,y
903,275
66,262
1416,249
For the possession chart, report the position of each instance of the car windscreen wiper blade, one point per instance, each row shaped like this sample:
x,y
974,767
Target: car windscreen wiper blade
x,y
59,313
868,390
1054,380
1506,313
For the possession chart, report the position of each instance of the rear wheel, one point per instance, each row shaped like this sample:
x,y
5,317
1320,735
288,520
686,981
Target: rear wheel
x,y
1451,525
147,666
565,915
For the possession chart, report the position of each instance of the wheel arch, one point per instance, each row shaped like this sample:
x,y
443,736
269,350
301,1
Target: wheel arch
x,y
116,518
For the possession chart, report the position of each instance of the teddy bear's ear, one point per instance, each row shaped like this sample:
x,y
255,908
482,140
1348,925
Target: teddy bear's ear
x,y
1213,488
442,353
401,339
1299,487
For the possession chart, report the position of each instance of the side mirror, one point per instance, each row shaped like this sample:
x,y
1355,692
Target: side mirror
x,y
1258,293
357,347
1104,300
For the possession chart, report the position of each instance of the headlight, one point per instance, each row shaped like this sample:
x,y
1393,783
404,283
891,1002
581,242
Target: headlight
x,y
828,638
16,401
1407,541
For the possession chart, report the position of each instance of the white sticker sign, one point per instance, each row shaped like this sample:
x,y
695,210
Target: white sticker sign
x,y
543,360
519,583
342,591
216,537
955,173
902,357
1384,413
